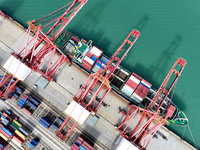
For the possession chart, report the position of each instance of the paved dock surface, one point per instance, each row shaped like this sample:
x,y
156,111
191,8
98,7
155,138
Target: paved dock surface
x,y
68,81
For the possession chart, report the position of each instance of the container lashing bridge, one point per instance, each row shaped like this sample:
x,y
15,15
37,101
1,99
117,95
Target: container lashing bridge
x,y
37,49
96,87
150,119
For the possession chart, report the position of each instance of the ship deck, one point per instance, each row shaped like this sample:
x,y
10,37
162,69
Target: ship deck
x,y
68,80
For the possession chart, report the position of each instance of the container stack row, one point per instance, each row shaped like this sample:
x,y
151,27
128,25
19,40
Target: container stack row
x,y
17,93
136,87
46,122
28,104
82,144
11,129
56,125
92,56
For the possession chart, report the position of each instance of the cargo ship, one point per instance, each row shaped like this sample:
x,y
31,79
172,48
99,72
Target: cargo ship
x,y
129,85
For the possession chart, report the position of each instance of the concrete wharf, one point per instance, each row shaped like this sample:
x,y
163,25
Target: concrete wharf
x,y
68,80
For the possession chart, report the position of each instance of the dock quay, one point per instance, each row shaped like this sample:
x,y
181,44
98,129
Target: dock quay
x,y
56,96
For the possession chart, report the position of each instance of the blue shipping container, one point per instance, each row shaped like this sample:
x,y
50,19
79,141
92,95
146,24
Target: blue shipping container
x,y
93,58
55,127
8,131
24,131
1,145
42,123
81,147
60,120
34,101
15,95
13,127
32,105
8,112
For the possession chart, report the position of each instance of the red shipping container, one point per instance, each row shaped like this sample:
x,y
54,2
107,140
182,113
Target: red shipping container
x,y
143,89
74,148
87,63
13,97
79,141
149,84
138,77
139,93
87,145
25,96
18,139
28,112
5,114
18,106
99,62
132,84
87,67
1,125
4,133
89,54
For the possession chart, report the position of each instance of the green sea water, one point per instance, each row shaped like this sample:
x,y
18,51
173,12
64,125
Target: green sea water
x,y
169,30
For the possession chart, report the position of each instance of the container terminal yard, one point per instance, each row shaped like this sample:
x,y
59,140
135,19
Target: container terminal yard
x,y
38,107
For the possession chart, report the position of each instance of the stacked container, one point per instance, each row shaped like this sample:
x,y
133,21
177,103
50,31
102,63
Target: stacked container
x,y
81,144
45,122
91,57
17,93
21,103
142,90
131,84
56,125
100,63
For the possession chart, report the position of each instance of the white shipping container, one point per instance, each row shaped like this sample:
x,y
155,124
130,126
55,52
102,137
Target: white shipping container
x,y
134,79
96,51
89,60
127,89
16,143
147,85
137,96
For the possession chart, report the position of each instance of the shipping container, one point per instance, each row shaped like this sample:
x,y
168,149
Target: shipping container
x,y
145,83
34,101
18,139
128,90
16,142
17,123
3,136
8,112
45,122
21,135
16,126
32,105
13,127
88,60
96,52
5,122
27,111
5,114
24,131
143,89
55,126
34,142
4,133
8,131
60,120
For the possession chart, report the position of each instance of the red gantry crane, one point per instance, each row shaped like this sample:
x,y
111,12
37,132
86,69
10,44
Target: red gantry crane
x,y
96,87
147,121
38,51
